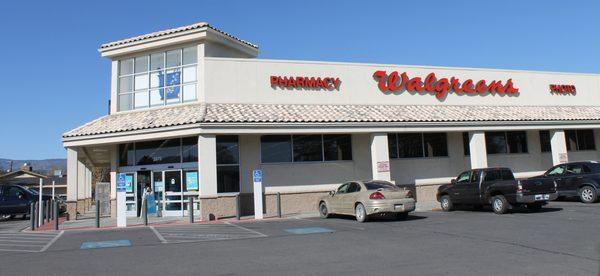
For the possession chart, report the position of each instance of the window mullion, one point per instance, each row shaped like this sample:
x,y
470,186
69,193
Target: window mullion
x,y
423,144
322,148
292,148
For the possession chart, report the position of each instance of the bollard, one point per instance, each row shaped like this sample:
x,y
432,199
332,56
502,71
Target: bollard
x,y
37,214
47,213
191,209
55,215
97,213
278,204
145,210
51,209
238,212
32,215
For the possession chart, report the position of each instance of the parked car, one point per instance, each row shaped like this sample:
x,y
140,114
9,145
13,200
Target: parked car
x,y
16,200
496,187
575,179
366,198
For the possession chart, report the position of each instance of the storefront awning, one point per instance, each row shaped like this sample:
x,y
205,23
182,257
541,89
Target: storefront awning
x,y
213,113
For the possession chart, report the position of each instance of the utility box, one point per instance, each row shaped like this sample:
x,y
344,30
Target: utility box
x,y
103,194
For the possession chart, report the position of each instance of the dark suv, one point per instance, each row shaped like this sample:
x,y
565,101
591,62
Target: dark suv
x,y
577,179
16,200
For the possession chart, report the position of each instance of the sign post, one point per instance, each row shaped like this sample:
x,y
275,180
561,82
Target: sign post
x,y
121,207
40,208
258,194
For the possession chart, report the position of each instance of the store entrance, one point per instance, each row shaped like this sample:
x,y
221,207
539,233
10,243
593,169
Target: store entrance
x,y
172,189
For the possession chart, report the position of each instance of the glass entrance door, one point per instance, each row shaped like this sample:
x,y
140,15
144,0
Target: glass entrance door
x,y
172,193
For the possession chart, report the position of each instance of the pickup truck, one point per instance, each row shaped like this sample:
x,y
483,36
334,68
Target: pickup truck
x,y
496,187
575,179
16,200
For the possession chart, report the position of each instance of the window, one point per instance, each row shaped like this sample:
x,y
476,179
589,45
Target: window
x,y
159,152
337,147
556,171
157,79
492,175
343,189
228,168
374,185
353,187
578,169
580,139
305,148
276,148
189,149
463,177
410,145
545,141
500,142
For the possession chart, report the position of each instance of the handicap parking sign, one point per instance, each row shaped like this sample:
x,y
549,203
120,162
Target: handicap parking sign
x,y
121,182
257,175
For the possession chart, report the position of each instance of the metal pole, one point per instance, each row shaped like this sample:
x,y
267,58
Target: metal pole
x,y
53,183
191,209
278,204
55,209
32,215
238,212
40,211
45,219
145,210
48,210
37,214
97,213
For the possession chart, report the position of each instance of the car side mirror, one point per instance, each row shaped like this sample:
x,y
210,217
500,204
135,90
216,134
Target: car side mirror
x,y
20,195
331,193
453,181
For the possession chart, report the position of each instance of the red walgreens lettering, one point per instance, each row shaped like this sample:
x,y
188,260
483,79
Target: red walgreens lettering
x,y
315,83
442,86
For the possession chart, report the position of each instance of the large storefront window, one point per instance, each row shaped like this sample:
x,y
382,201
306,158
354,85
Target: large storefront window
x,y
305,148
416,145
228,168
158,79
176,150
576,139
500,142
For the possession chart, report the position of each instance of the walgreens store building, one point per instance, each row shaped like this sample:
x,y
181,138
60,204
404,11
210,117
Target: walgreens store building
x,y
193,112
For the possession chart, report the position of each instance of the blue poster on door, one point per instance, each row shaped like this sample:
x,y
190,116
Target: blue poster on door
x,y
191,181
151,204
129,183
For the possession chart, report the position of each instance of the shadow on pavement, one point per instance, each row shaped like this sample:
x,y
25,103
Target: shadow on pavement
x,y
381,218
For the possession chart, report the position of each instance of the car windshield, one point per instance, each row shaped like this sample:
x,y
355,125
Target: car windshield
x,y
374,185
31,191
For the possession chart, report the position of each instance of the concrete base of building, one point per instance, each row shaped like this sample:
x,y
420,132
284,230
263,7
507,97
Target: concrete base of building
x,y
113,208
293,203
72,209
80,207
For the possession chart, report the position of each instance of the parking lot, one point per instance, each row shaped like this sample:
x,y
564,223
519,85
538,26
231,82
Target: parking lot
x,y
560,240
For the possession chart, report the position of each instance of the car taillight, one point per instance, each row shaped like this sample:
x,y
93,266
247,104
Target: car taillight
x,y
409,194
519,187
376,195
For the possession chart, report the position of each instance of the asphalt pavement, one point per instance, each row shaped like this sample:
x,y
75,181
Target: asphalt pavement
x,y
562,239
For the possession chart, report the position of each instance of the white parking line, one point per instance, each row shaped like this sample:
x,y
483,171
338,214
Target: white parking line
x,y
197,233
27,241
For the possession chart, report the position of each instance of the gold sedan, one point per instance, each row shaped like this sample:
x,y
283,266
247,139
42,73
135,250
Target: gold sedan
x,y
365,198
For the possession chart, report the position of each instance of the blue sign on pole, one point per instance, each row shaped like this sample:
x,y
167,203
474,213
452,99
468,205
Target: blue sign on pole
x,y
257,175
121,182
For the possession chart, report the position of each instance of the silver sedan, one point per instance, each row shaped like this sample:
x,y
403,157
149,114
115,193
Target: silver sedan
x,y
365,198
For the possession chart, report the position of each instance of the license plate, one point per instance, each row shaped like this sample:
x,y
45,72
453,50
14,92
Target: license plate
x,y
398,206
542,197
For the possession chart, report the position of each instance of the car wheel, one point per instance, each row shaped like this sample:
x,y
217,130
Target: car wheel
x,y
323,212
360,213
587,194
499,204
24,217
534,207
446,203
402,216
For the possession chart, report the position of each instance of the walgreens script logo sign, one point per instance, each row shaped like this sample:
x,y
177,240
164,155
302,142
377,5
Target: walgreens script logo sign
x,y
395,82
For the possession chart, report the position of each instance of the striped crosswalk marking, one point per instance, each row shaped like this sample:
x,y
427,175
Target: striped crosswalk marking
x,y
204,232
27,241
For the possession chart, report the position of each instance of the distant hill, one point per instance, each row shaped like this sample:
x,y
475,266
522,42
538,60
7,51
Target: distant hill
x,y
44,165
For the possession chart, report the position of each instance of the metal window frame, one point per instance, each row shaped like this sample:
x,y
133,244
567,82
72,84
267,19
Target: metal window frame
x,y
149,73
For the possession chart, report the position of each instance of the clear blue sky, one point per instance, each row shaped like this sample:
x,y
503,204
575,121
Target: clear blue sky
x,y
53,78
